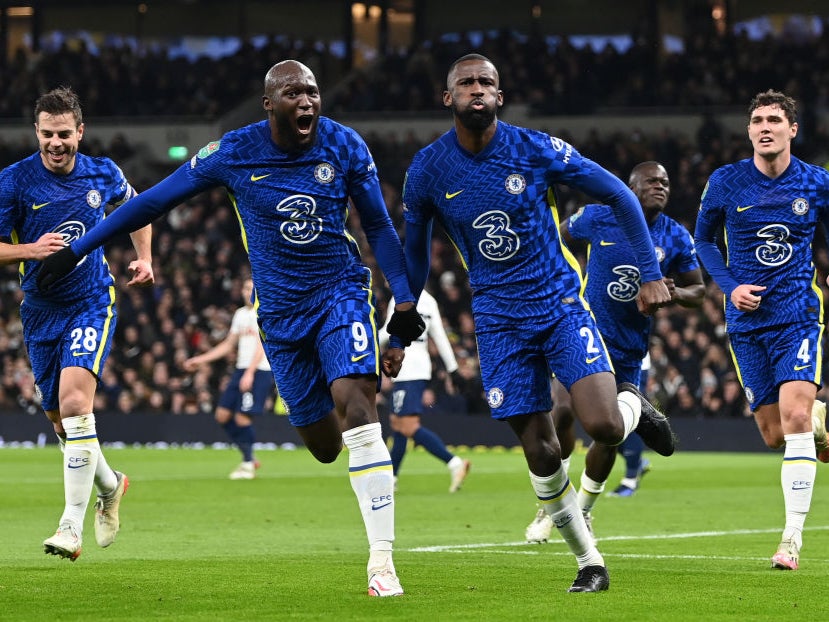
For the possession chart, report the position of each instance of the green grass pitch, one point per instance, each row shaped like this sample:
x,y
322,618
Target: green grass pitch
x,y
693,544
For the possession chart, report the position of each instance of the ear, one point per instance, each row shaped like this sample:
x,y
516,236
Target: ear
x,y
266,103
80,132
500,98
447,99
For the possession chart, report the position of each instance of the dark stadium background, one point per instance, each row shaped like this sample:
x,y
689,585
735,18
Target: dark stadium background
x,y
623,81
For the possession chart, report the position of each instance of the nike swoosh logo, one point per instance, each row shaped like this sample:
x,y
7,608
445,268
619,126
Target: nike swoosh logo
x,y
354,358
742,209
452,195
80,353
258,177
801,367
593,359
39,205
77,466
379,507
603,243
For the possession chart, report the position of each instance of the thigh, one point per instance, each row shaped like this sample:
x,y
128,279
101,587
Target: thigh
x,y
575,349
796,352
594,401
231,397
252,403
754,369
514,372
292,353
58,338
347,338
407,397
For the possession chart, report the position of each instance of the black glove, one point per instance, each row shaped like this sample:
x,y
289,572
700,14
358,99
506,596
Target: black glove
x,y
55,267
457,380
406,325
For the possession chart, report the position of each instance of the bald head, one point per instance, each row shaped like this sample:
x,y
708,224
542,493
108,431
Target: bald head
x,y
292,100
284,72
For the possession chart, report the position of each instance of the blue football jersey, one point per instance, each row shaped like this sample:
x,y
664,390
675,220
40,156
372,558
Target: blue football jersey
x,y
612,279
498,208
292,207
769,226
35,201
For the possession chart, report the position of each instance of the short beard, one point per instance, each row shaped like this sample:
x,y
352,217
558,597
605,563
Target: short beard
x,y
288,134
474,120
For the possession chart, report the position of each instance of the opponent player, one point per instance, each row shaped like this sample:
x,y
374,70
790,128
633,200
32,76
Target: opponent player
x,y
248,389
46,201
768,207
407,396
612,284
490,185
290,178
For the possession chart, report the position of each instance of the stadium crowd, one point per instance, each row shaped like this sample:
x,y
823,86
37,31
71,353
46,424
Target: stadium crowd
x,y
200,265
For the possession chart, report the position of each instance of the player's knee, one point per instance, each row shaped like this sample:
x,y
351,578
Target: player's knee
x,y
74,403
542,456
607,432
325,453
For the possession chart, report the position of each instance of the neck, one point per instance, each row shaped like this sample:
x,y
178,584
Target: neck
x,y
775,166
475,141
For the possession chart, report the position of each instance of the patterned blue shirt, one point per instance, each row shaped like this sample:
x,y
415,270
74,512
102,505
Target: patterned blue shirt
x,y
292,208
35,201
768,226
498,208
612,280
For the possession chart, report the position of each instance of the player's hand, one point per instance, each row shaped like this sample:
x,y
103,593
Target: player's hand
x,y
45,245
191,364
457,379
652,295
392,361
141,273
246,381
56,266
671,285
406,323
746,297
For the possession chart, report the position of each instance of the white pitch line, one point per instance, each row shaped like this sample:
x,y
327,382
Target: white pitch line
x,y
667,536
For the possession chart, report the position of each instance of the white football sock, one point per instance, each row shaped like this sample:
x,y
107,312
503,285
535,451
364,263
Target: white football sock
x,y
455,462
631,408
797,477
80,458
370,471
558,498
105,478
589,491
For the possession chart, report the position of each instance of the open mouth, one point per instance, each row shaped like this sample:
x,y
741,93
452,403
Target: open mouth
x,y
304,123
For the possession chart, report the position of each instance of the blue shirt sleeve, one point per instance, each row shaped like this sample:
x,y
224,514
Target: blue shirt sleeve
x,y
141,210
383,239
709,225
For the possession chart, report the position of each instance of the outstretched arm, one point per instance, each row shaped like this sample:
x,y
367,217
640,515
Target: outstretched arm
x,y
136,213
